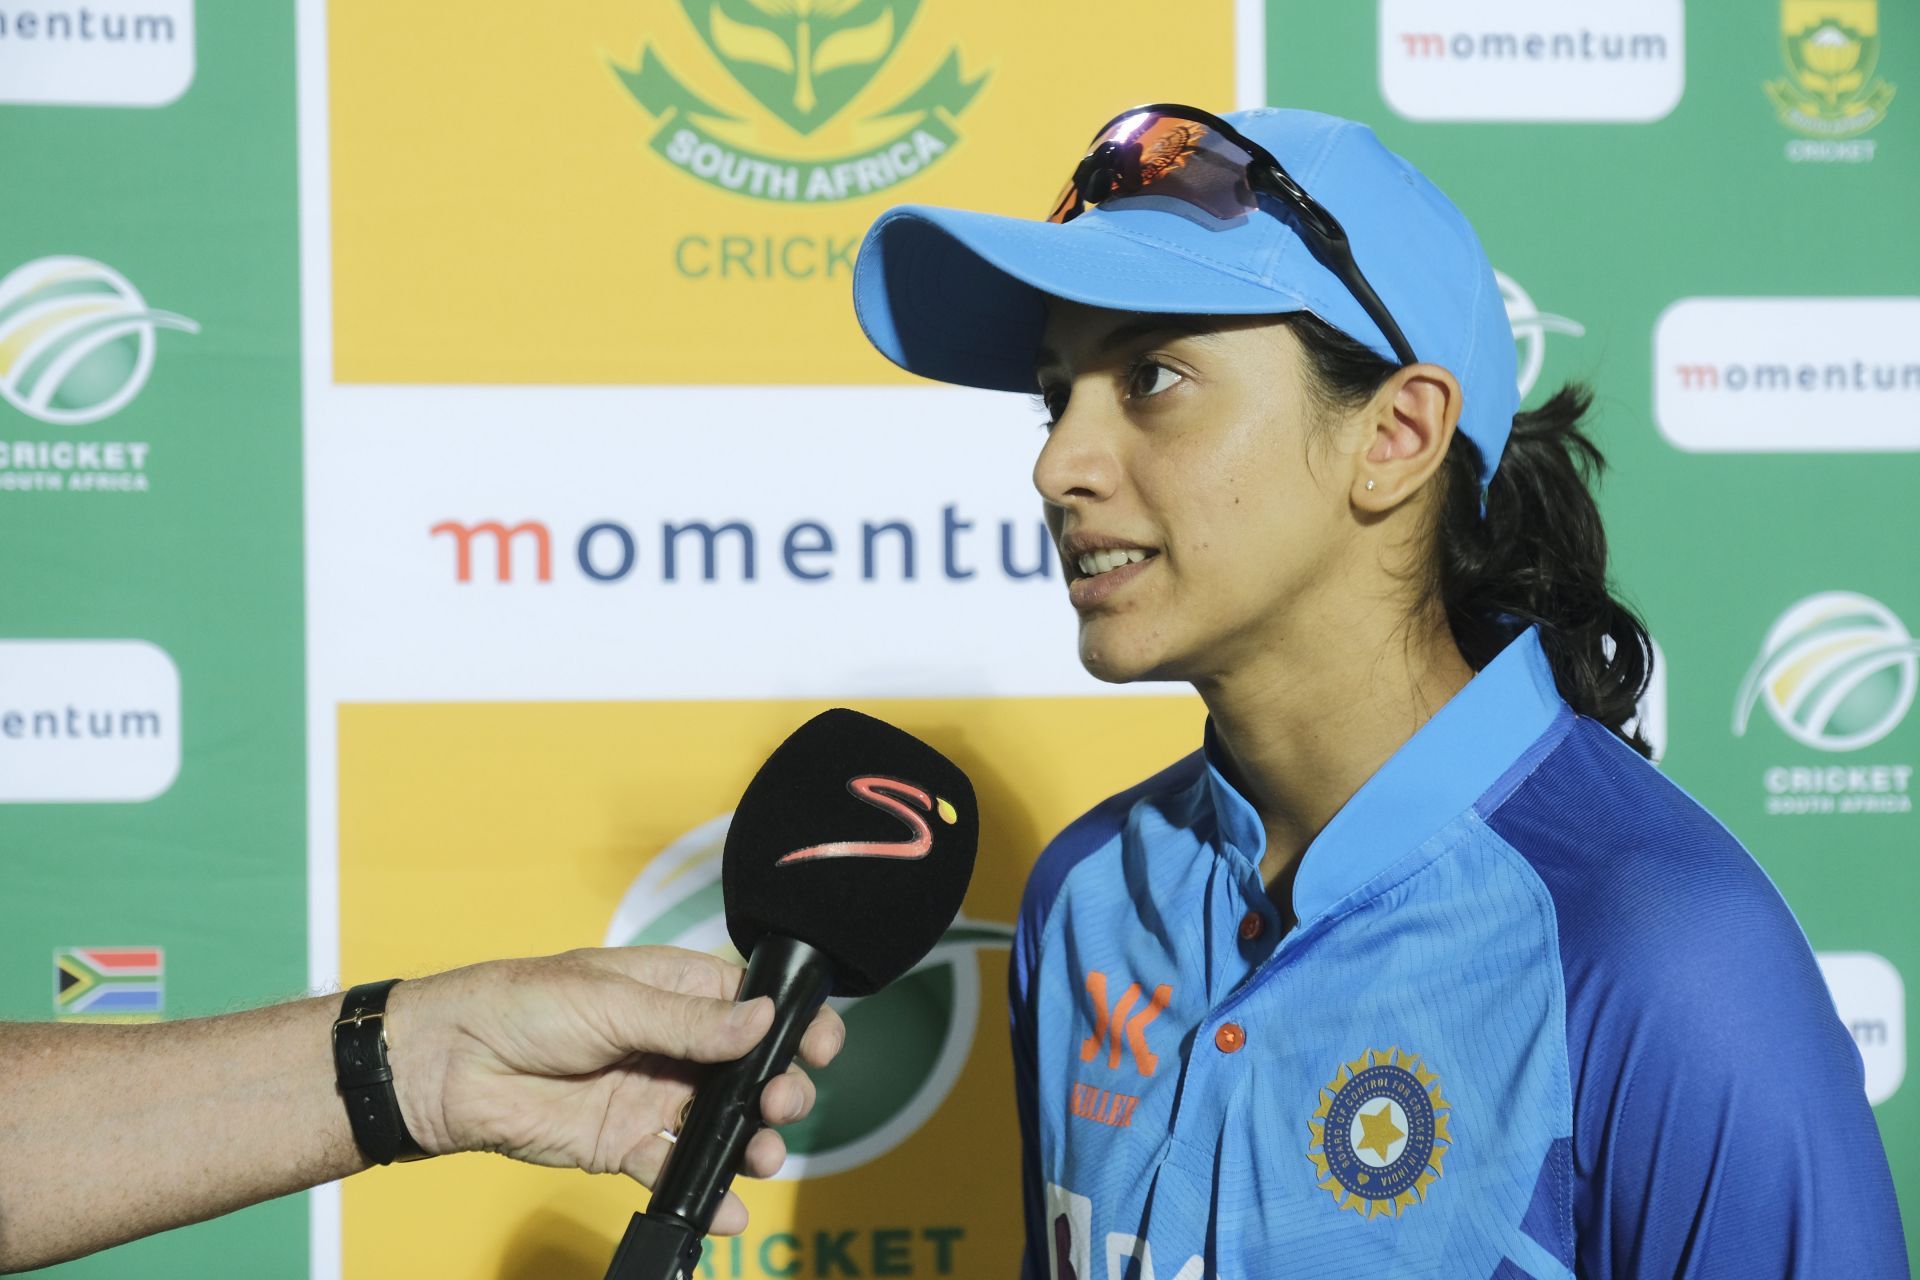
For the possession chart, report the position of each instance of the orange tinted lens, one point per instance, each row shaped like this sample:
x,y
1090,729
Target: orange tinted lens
x,y
1166,147
1145,154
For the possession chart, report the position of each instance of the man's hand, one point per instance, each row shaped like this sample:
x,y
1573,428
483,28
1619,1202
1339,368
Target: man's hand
x,y
582,1060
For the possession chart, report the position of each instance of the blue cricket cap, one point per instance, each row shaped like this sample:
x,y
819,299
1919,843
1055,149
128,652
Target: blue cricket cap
x,y
961,297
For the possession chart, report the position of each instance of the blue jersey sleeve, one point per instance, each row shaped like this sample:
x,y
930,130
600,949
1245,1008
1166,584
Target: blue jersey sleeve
x,y
1097,829
1020,1005
1721,1128
1722,1119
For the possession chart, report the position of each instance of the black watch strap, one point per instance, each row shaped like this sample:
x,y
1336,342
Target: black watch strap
x,y
365,1077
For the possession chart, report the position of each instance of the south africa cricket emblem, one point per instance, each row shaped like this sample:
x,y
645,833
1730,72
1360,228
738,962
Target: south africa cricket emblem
x,y
1380,1133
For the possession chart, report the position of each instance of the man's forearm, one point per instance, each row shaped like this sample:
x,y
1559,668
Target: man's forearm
x,y
577,1060
185,1121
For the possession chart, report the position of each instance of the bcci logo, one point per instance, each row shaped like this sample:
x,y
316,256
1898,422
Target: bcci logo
x,y
1836,672
804,62
906,1045
1380,1133
1830,48
76,340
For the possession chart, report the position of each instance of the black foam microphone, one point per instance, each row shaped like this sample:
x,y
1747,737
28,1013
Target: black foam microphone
x,y
845,862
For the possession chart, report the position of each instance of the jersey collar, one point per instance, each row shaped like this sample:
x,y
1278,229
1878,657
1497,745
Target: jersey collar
x,y
1436,775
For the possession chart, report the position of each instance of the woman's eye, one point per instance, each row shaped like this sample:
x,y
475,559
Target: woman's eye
x,y
1150,379
1052,403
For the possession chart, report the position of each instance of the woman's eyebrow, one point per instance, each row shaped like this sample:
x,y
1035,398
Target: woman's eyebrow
x,y
1131,331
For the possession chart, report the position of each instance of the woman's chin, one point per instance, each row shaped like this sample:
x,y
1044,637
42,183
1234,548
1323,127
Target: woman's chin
x,y
1116,662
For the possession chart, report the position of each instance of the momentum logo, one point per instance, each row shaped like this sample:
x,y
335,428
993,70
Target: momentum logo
x,y
1576,60
96,54
1788,374
805,551
87,721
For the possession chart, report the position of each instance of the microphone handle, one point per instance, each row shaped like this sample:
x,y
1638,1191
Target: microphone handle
x,y
726,1106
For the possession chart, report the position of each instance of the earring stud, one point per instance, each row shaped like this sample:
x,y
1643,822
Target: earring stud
x,y
1369,485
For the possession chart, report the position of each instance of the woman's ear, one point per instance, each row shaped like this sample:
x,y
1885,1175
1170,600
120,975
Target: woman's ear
x,y
1410,423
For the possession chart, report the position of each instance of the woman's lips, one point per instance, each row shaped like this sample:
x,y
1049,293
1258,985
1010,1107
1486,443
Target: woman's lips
x,y
1086,593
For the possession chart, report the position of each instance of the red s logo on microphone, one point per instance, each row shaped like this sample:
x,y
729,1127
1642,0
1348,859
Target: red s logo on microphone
x,y
889,796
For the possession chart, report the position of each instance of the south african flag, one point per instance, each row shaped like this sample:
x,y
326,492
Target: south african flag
x,y
108,984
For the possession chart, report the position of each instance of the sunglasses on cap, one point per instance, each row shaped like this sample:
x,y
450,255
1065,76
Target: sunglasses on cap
x,y
1183,153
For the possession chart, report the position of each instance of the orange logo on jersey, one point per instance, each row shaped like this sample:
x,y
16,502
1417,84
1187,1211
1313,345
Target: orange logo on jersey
x,y
1123,1021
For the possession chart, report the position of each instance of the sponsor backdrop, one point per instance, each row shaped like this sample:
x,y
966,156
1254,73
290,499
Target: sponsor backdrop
x,y
152,746
440,462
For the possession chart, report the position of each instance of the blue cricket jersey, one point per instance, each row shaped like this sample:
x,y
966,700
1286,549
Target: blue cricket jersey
x,y
1542,1017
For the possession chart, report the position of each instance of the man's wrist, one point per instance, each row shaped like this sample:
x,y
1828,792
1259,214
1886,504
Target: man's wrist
x,y
417,1048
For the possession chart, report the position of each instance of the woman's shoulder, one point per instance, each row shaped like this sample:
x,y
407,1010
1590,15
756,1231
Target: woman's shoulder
x,y
1605,828
1656,903
1098,829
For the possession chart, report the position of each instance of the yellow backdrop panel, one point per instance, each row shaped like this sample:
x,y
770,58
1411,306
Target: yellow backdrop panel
x,y
661,192
472,831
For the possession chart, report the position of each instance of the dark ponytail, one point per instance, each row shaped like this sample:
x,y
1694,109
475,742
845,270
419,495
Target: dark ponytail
x,y
1538,558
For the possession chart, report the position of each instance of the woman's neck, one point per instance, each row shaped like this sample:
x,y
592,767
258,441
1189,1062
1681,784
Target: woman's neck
x,y
1304,727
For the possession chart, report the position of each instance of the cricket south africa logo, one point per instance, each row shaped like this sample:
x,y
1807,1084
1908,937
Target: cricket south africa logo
x,y
1530,327
798,66
908,1045
1380,1133
1837,672
76,340
1831,49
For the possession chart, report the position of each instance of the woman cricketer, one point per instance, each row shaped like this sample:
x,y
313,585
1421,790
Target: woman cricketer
x,y
1417,967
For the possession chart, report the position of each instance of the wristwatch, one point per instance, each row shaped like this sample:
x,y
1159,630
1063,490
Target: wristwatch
x,y
365,1076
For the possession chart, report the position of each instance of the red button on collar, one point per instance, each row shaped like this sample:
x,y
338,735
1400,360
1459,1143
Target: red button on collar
x,y
1229,1037
1250,926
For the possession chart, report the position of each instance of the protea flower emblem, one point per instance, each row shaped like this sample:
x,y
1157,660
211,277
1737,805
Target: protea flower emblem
x,y
1830,48
803,60
1829,61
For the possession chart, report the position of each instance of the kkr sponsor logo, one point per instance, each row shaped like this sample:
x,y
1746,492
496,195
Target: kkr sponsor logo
x,y
1116,1024
1125,1020
1102,1106
1577,60
1788,374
